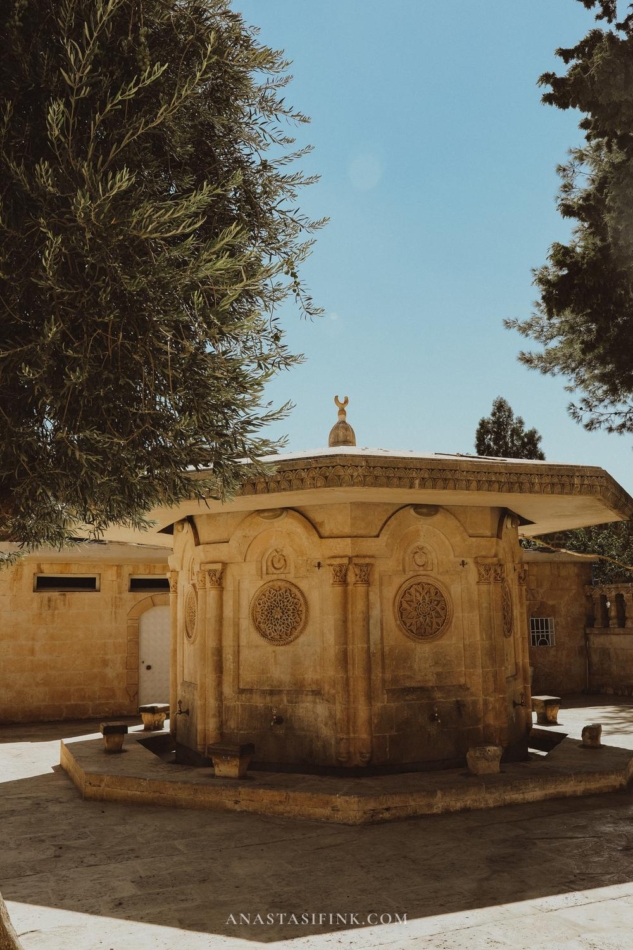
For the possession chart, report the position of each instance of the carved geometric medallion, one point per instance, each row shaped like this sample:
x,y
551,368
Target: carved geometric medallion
x,y
276,562
279,612
507,609
191,613
422,610
421,558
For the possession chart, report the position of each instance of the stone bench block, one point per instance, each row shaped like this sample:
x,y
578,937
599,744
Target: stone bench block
x,y
113,735
484,759
592,736
546,709
231,761
153,716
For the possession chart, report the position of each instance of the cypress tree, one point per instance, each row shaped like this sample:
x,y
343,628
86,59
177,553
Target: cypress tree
x,y
503,435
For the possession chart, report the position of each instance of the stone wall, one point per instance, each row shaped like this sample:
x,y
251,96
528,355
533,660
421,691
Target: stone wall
x,y
556,588
73,655
611,661
610,639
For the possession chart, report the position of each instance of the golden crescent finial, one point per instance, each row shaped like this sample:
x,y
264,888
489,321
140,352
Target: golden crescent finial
x,y
342,432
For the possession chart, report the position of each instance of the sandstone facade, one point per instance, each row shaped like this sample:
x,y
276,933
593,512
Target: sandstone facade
x,y
350,634
556,590
74,654
360,607
609,636
593,627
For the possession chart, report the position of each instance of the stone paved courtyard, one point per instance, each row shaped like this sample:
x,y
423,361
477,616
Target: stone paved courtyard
x,y
92,876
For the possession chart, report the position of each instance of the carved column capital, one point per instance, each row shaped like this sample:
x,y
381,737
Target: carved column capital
x,y
214,575
338,571
362,573
173,581
490,571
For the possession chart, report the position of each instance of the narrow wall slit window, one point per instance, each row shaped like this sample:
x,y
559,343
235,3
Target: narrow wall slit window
x,y
149,584
542,632
66,582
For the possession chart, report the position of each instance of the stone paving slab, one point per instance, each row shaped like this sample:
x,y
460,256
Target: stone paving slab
x,y
89,875
138,776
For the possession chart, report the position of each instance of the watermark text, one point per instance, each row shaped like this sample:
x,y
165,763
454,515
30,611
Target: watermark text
x,y
270,919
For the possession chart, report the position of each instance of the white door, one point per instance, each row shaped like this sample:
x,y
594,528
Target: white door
x,y
153,655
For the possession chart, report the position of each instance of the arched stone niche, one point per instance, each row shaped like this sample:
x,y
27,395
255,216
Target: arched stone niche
x,y
280,605
272,632
282,544
424,595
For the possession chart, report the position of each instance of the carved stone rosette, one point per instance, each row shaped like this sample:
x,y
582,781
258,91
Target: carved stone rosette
x,y
423,610
279,612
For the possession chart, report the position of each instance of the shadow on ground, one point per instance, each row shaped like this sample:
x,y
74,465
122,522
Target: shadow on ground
x,y
191,870
614,712
54,731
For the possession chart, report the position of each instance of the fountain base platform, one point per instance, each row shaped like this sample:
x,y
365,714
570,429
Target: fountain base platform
x,y
141,776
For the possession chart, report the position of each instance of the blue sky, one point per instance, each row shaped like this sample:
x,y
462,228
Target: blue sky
x,y
437,164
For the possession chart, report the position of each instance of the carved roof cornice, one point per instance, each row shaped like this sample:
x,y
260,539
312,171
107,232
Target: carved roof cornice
x,y
438,474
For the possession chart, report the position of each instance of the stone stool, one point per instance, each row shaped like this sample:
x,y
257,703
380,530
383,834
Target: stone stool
x,y
154,715
546,709
592,735
231,761
113,734
484,759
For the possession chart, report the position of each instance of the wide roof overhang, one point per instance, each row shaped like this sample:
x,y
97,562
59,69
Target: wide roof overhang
x,y
547,496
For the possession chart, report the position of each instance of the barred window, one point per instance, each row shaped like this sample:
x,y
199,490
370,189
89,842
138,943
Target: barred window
x,y
152,583
542,632
66,582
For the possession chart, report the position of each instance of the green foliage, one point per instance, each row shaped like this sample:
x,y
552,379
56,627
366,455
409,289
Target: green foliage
x,y
148,233
612,541
503,435
584,317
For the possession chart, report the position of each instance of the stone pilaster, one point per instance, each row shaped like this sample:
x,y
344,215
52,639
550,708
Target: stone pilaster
x,y
360,663
495,721
173,649
339,568
523,648
214,580
200,671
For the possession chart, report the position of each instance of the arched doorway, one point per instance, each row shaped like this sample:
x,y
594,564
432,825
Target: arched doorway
x,y
153,656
